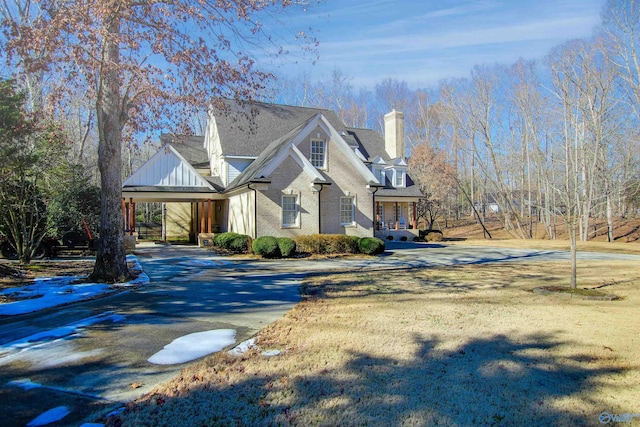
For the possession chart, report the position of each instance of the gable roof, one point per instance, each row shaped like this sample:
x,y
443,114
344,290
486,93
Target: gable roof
x,y
247,129
285,146
168,169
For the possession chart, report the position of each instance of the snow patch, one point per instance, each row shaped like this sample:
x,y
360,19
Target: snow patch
x,y
193,346
47,292
17,348
51,416
271,353
243,347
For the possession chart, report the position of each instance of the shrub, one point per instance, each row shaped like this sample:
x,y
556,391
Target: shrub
x,y
238,243
266,246
287,247
433,236
327,244
371,246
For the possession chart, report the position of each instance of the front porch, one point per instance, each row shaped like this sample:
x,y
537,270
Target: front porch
x,y
193,217
396,218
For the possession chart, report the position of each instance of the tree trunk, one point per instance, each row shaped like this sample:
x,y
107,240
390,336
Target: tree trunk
x,y
111,265
573,245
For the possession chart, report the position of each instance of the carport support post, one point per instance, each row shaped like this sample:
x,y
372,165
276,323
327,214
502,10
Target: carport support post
x,y
132,213
124,216
202,217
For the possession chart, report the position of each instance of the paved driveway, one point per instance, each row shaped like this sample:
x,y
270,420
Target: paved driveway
x,y
190,291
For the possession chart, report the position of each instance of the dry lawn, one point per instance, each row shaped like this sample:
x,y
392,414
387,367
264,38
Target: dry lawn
x,y
468,345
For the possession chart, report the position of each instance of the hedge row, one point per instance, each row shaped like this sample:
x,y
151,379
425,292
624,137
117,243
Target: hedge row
x,y
328,244
272,247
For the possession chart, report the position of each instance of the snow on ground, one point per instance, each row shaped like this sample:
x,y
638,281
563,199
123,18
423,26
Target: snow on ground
x,y
47,292
193,346
30,347
250,344
243,347
50,416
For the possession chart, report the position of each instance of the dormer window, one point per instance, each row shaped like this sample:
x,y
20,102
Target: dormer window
x,y
379,174
399,178
319,153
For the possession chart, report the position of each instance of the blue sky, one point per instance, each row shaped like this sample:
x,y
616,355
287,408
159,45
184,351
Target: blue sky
x,y
422,42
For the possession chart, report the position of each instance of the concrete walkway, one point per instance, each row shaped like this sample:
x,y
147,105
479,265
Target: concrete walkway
x,y
191,290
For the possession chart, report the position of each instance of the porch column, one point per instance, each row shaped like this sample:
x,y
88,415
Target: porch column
x,y
124,215
209,215
396,215
202,217
415,215
132,217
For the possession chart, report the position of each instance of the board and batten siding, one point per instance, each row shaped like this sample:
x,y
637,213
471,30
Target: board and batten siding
x,y
167,169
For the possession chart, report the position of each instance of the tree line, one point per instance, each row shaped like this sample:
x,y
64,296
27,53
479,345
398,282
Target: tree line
x,y
547,141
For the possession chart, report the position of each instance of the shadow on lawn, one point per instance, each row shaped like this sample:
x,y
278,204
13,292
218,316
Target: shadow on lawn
x,y
493,381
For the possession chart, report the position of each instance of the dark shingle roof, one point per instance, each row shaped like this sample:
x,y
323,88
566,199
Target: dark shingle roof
x,y
189,147
370,143
262,130
411,190
268,154
246,130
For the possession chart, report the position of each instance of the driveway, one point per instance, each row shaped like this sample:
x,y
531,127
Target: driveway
x,y
103,361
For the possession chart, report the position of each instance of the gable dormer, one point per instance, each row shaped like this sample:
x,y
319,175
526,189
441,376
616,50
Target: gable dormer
x,y
396,173
378,169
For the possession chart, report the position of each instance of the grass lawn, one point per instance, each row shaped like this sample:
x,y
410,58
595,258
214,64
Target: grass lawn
x,y
467,345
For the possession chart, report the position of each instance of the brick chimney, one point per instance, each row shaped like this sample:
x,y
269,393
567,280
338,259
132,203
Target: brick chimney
x,y
394,134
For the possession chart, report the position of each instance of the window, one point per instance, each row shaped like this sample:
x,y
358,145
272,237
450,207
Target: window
x,y
379,174
399,179
346,211
289,211
318,153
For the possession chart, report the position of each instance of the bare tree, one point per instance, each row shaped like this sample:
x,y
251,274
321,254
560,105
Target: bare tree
x,y
140,63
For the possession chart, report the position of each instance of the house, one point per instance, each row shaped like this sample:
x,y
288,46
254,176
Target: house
x,y
265,169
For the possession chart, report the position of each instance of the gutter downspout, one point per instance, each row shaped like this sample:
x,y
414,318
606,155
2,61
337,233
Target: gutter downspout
x,y
320,186
255,210
374,189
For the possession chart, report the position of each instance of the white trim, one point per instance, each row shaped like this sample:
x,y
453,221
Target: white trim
x,y
324,152
282,155
229,156
346,149
305,164
296,224
353,211
333,135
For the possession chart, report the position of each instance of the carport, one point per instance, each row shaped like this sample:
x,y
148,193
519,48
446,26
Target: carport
x,y
191,201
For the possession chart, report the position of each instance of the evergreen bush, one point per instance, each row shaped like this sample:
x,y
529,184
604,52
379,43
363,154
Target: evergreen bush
x,y
234,242
371,246
287,247
266,246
